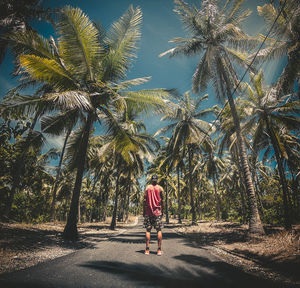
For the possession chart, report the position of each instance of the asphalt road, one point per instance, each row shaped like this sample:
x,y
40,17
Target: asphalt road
x,y
120,262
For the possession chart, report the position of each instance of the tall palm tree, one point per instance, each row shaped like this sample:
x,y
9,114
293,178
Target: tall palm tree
x,y
86,69
216,35
268,116
187,131
228,140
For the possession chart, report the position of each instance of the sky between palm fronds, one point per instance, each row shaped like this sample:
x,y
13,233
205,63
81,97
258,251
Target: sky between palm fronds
x,y
160,24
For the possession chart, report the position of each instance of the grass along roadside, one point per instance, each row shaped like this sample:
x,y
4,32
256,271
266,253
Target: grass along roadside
x,y
25,245
275,255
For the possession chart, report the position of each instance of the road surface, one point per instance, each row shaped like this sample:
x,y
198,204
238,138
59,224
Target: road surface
x,y
120,262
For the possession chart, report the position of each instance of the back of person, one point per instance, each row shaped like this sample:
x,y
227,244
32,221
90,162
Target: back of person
x,y
153,201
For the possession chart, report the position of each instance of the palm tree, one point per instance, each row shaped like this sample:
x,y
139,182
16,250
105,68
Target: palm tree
x,y
87,70
228,140
188,131
286,31
217,37
269,115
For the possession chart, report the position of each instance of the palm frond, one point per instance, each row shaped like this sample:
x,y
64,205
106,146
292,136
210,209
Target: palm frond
x,y
128,83
271,52
149,99
15,106
73,148
71,99
239,57
31,42
202,74
165,129
269,12
59,123
78,42
122,44
46,70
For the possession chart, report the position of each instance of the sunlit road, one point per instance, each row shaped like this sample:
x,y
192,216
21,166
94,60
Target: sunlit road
x,y
120,262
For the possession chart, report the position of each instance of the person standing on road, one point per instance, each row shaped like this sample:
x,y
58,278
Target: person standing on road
x,y
152,212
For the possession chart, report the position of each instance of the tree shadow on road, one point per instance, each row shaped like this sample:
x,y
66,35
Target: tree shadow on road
x,y
161,276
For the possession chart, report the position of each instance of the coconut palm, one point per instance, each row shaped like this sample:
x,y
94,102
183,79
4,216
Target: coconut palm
x,y
86,70
216,35
268,116
228,141
187,131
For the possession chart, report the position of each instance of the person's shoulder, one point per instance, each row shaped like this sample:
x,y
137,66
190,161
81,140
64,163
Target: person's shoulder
x,y
160,188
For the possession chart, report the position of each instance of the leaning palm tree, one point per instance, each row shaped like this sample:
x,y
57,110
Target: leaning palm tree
x,y
216,35
187,131
269,116
87,68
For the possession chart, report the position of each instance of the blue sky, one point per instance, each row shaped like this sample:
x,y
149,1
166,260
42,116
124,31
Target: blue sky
x,y
160,24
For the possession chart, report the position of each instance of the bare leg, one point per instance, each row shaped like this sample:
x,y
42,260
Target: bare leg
x,y
147,239
159,238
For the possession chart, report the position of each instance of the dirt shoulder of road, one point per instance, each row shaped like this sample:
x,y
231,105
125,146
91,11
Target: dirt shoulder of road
x,y
25,245
275,255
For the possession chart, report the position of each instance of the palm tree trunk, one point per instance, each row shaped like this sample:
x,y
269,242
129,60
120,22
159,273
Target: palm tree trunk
x,y
255,225
242,189
286,208
104,199
216,199
79,212
70,231
18,167
127,203
52,211
178,195
191,186
114,216
128,197
122,207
